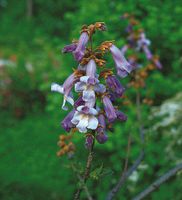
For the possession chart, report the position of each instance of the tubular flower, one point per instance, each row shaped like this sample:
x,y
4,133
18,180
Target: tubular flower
x,y
121,116
65,89
91,69
69,48
89,141
143,44
122,65
66,123
109,109
114,84
101,136
84,118
89,86
81,46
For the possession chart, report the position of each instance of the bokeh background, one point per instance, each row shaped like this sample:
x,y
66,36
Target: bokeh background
x,y
32,33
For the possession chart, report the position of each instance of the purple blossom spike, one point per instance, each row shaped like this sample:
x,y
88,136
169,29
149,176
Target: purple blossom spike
x,y
101,136
122,65
66,123
69,48
109,109
115,85
84,118
65,89
89,141
121,116
81,46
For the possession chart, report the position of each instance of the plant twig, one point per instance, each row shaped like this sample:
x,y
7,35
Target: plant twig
x,y
89,197
158,182
127,154
86,173
127,173
139,118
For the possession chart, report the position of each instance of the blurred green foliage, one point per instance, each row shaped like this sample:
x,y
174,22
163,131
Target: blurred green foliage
x,y
30,115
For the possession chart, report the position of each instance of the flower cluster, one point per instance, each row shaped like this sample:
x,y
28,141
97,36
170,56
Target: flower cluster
x,y
97,86
137,45
137,40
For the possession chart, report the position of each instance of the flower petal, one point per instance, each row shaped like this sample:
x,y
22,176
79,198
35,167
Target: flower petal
x,y
92,123
69,48
88,95
66,123
91,69
57,88
93,111
76,118
84,79
80,86
83,123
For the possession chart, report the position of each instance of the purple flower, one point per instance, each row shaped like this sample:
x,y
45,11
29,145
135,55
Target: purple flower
x,y
109,109
89,141
124,49
115,85
101,136
91,69
122,65
147,52
66,123
121,116
143,41
157,63
69,48
89,86
79,102
65,89
84,118
81,46
113,96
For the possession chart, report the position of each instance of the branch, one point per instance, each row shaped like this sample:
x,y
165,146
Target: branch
x,y
158,182
127,173
87,172
89,197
